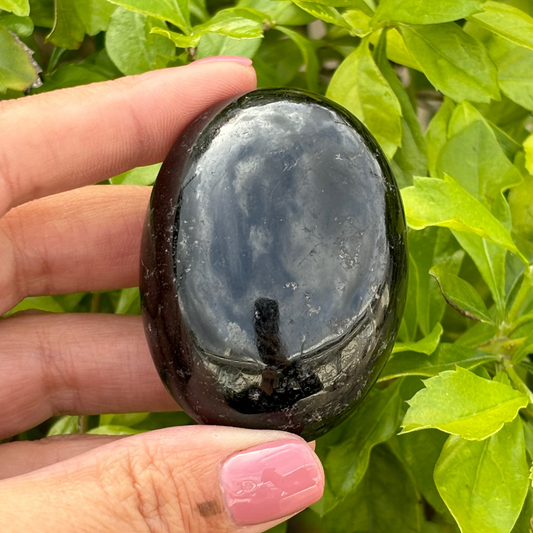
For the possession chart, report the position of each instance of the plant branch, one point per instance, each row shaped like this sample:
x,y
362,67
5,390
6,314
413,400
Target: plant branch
x,y
520,298
515,378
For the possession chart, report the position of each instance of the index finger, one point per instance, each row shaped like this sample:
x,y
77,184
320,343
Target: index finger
x,y
65,139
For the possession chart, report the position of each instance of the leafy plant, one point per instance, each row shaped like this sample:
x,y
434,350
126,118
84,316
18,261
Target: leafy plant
x,y
444,442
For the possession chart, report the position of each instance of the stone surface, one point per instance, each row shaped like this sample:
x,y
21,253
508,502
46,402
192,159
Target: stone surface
x,y
274,264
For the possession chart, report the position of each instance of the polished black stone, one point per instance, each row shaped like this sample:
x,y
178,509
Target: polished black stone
x,y
274,266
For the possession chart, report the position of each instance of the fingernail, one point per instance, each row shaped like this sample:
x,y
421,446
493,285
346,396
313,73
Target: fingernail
x,y
271,481
228,59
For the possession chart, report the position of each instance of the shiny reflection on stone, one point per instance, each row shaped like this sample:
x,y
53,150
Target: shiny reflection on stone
x,y
274,264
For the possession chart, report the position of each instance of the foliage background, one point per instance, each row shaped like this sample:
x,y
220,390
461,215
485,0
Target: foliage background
x,y
444,442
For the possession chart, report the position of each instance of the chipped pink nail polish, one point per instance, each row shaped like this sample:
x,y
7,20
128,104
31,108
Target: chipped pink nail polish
x,y
271,481
227,59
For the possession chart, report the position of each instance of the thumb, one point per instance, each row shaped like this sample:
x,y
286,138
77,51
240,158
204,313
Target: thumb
x,y
188,479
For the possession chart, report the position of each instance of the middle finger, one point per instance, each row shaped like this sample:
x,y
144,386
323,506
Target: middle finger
x,y
75,364
83,240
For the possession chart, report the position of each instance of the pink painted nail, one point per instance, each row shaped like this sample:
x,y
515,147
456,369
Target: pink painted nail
x,y
228,59
271,481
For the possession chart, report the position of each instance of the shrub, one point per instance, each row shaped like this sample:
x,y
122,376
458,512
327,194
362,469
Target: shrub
x,y
445,440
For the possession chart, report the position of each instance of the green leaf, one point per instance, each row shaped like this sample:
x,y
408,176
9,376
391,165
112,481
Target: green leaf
x,y
66,425
396,49
283,12
409,326
342,3
68,30
461,403
484,484
434,202
179,39
359,86
453,61
128,420
507,21
39,303
375,421
416,12
114,430
308,54
21,8
385,501
358,21
278,61
22,26
460,294
175,11
95,14
489,259
71,75
426,248
521,201
528,148
74,18
421,450
523,523
446,357
18,70
515,70
138,176
132,46
475,159
236,23
129,302
213,44
426,345
411,157
323,12
437,134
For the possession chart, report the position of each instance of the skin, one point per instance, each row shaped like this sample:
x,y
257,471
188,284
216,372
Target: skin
x,y
60,234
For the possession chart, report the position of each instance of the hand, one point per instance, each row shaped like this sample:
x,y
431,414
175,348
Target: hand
x,y
57,236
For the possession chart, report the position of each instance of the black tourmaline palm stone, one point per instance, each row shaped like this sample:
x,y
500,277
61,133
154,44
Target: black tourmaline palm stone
x,y
274,264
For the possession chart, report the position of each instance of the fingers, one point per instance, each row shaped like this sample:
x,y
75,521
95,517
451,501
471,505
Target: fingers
x,y
72,137
21,457
83,240
75,364
189,479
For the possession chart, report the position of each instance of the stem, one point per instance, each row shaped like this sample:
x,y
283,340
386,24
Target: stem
x,y
519,322
83,424
520,297
95,302
515,378
57,52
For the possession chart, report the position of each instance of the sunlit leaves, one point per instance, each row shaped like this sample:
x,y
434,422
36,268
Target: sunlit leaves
x,y
416,12
484,484
461,403
360,86
17,69
460,294
21,8
454,62
145,50
175,11
507,21
446,357
434,202
426,345
74,18
375,421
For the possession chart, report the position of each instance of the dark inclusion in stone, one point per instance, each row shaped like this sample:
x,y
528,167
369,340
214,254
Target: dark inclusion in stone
x,y
274,266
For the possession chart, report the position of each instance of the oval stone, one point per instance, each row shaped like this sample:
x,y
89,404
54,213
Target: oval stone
x,y
273,264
